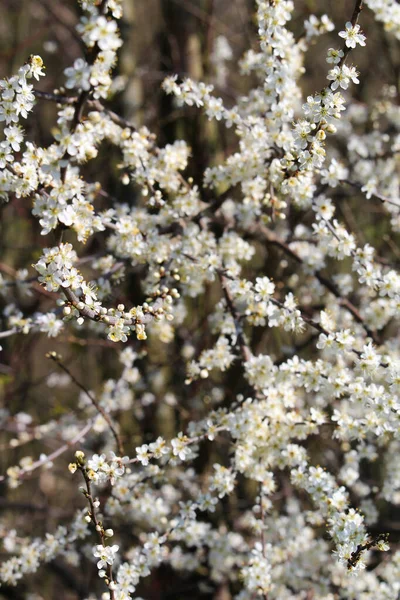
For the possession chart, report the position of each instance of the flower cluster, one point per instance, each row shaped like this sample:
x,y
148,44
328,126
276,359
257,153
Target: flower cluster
x,y
262,383
31,553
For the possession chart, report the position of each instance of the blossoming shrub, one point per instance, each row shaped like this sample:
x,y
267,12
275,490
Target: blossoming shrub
x,y
246,443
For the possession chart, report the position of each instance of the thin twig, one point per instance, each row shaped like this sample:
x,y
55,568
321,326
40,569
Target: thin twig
x,y
98,525
8,333
53,455
244,348
383,199
271,238
354,19
57,359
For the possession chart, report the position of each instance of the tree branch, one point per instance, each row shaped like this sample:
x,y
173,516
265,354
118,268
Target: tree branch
x,y
57,359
